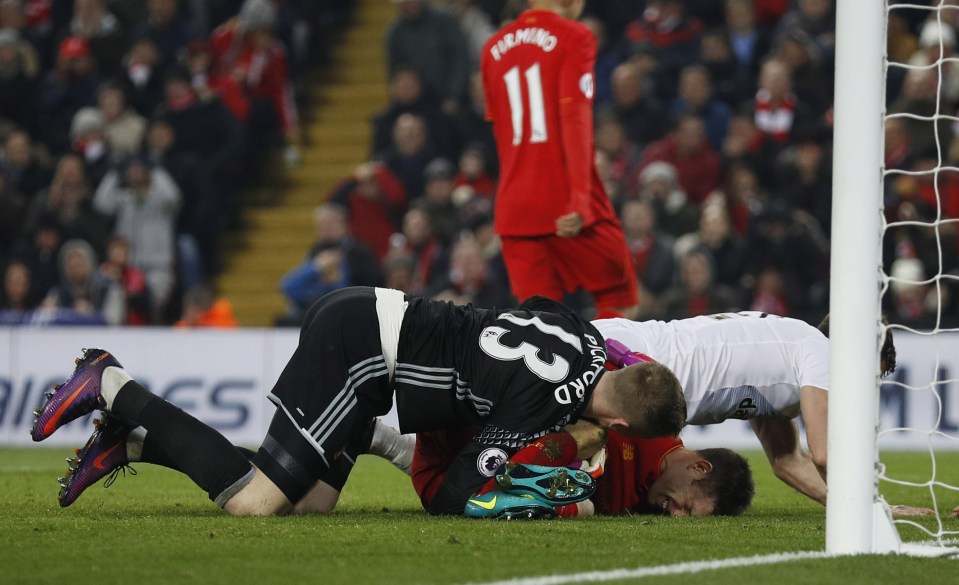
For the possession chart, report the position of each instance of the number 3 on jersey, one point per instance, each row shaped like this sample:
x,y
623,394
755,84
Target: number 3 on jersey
x,y
554,371
537,112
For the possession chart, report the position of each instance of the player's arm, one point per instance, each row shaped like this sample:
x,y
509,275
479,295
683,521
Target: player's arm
x,y
790,462
576,132
814,404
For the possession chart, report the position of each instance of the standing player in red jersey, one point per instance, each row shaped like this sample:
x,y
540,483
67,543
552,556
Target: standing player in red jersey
x,y
558,228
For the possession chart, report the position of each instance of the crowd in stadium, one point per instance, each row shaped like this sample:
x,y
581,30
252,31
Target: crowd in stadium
x,y
712,128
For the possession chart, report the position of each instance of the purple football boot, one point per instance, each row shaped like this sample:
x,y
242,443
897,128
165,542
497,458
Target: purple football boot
x,y
104,453
78,396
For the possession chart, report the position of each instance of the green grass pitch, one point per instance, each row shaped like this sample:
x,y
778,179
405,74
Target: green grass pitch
x,y
157,527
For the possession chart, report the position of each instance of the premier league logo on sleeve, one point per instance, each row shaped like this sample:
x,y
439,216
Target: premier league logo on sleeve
x,y
489,461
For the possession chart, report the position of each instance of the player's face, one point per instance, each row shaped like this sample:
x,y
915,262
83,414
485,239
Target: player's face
x,y
675,493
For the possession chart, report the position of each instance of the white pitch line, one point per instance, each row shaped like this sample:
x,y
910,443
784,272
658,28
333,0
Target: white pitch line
x,y
676,569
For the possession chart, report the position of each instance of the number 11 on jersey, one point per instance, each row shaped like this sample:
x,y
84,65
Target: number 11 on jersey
x,y
537,112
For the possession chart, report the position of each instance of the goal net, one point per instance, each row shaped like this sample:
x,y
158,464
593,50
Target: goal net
x,y
895,220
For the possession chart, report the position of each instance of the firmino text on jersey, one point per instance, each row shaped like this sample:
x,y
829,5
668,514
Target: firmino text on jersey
x,y
540,37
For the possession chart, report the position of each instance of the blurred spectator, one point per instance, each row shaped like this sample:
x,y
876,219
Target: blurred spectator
x,y
812,81
899,152
696,98
697,292
124,129
438,200
407,97
431,41
640,113
167,28
143,77
473,172
202,308
202,215
205,131
82,288
375,201
470,280
915,302
623,157
33,20
39,253
776,110
16,294
27,165
69,202
398,271
676,214
651,250
118,270
476,27
324,271
102,30
792,243
470,126
742,196
71,85
409,153
901,44
88,139
430,258
770,294
725,246
335,261
919,98
144,201
608,56
805,178
749,42
815,18
732,84
669,37
209,83
688,150
12,209
745,143
19,72
247,50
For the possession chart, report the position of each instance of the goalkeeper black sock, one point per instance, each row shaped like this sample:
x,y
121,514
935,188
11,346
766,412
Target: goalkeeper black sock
x,y
197,450
152,452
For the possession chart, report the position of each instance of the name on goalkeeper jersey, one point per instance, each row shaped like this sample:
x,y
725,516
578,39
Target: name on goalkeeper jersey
x,y
577,388
540,37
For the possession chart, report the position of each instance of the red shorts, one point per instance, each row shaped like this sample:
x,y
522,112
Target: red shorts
x,y
596,260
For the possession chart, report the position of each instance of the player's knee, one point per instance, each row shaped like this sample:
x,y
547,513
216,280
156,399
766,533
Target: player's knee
x,y
260,497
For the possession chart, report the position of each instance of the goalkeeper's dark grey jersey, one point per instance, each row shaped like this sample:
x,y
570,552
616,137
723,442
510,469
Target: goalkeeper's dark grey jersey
x,y
518,374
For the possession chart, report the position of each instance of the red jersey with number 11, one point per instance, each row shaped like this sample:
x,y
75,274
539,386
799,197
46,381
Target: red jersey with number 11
x,y
538,82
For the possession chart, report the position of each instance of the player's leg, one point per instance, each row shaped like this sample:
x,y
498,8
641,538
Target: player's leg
x,y
196,449
530,267
335,383
598,261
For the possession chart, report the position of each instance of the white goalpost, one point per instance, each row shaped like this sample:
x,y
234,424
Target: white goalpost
x,y
857,518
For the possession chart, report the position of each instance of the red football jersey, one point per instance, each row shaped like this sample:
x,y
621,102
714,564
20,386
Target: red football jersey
x,y
538,82
632,465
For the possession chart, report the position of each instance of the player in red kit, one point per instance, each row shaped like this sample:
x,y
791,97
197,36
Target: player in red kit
x,y
558,228
639,476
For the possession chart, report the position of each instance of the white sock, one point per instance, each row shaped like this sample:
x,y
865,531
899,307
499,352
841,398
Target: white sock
x,y
110,383
135,444
389,444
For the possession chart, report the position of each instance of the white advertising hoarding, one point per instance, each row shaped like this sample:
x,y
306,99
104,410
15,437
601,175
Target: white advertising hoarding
x,y
223,376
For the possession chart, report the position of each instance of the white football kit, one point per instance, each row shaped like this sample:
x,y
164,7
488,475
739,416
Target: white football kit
x,y
732,365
